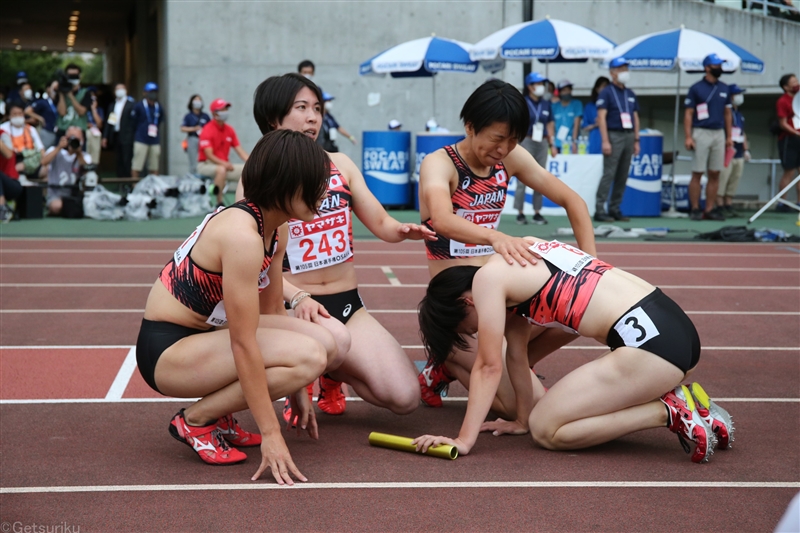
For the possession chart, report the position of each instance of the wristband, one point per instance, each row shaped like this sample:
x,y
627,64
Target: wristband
x,y
352,139
290,300
296,300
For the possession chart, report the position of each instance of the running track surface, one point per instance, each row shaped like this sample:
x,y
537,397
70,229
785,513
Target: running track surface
x,y
83,441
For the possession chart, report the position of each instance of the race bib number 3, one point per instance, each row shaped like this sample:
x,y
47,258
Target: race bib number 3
x,y
563,256
321,243
488,218
636,328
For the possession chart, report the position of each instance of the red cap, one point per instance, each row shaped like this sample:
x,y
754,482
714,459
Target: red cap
x,y
218,105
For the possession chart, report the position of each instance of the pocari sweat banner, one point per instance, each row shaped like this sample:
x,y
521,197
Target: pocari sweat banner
x,y
386,166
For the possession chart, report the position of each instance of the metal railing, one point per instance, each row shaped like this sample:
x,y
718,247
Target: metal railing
x,y
773,175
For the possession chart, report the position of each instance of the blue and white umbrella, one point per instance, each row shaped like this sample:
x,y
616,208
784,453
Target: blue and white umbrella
x,y
685,49
548,40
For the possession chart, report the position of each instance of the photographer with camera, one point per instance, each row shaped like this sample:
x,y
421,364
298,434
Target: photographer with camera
x,y
66,163
75,101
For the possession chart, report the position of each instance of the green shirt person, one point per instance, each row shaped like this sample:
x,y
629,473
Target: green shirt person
x,y
73,104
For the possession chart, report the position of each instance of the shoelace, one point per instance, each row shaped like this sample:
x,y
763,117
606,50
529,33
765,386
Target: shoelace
x,y
216,435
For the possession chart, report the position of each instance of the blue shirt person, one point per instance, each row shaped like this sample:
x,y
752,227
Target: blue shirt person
x,y
589,124
195,120
46,108
539,108
147,116
737,123
567,116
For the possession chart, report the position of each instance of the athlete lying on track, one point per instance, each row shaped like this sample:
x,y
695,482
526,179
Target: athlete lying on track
x,y
184,348
634,386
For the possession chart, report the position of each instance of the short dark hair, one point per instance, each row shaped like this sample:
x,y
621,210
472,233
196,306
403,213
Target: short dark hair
x,y
73,66
15,103
596,89
283,164
306,63
784,81
442,310
496,101
274,97
191,99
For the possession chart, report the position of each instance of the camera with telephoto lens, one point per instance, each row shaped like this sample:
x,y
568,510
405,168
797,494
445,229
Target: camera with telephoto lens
x,y
64,86
73,142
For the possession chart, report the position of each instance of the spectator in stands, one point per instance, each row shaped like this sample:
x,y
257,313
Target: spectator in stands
x,y
119,129
789,136
306,68
331,128
66,162
94,135
147,117
45,113
567,115
589,124
707,124
25,141
74,103
216,140
729,176
192,124
10,187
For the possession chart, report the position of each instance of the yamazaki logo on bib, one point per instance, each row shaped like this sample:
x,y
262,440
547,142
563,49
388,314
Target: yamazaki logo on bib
x,y
563,256
488,218
321,243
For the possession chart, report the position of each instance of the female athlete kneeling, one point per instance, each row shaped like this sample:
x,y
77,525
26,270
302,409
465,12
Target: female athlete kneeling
x,y
184,347
634,386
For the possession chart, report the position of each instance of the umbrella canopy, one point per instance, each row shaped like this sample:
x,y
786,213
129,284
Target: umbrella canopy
x,y
546,40
686,49
421,57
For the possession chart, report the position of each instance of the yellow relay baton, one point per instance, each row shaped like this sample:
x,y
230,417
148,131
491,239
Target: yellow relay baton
x,y
394,442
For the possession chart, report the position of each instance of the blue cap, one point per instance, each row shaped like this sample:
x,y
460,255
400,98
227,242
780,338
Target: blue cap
x,y
735,89
327,97
712,59
534,77
150,87
618,62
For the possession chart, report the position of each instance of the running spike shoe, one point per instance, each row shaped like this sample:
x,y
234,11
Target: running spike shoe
x,y
287,405
207,441
716,417
331,397
685,421
434,382
234,433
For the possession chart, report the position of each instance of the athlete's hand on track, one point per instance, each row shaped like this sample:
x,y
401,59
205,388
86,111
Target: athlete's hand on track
x,y
504,427
309,309
302,414
415,232
426,441
275,456
514,249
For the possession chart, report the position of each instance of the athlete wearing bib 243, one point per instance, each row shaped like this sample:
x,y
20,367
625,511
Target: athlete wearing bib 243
x,y
320,283
462,189
634,386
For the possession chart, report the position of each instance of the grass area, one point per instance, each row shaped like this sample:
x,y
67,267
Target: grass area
x,y
684,229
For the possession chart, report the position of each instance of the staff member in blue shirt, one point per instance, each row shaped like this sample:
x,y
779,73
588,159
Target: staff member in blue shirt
x,y
147,117
707,125
618,122
730,175
540,136
567,114
192,124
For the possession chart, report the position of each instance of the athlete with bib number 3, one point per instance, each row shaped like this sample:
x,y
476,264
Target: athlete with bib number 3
x,y
634,386
320,280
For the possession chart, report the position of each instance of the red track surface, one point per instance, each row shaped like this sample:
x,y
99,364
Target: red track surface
x,y
752,361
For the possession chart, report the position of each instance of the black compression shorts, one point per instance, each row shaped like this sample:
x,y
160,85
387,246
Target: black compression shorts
x,y
658,325
154,339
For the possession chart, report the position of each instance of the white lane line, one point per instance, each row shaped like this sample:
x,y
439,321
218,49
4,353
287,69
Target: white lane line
x,y
387,271
408,485
117,388
68,311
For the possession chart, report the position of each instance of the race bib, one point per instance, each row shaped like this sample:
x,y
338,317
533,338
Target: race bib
x,y
737,135
333,134
152,130
636,328
321,243
488,218
537,134
563,133
563,256
627,123
702,111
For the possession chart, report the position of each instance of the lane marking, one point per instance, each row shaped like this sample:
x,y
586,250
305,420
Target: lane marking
x,y
387,271
408,485
124,375
405,347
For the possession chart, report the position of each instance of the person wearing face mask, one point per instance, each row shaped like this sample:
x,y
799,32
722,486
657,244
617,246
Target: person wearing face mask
x,y
330,127
216,140
118,131
25,142
567,115
147,117
65,163
729,176
74,103
45,112
541,133
789,136
306,68
192,124
618,122
707,124
589,125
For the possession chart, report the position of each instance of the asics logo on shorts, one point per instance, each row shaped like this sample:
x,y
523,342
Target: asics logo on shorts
x,y
347,309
